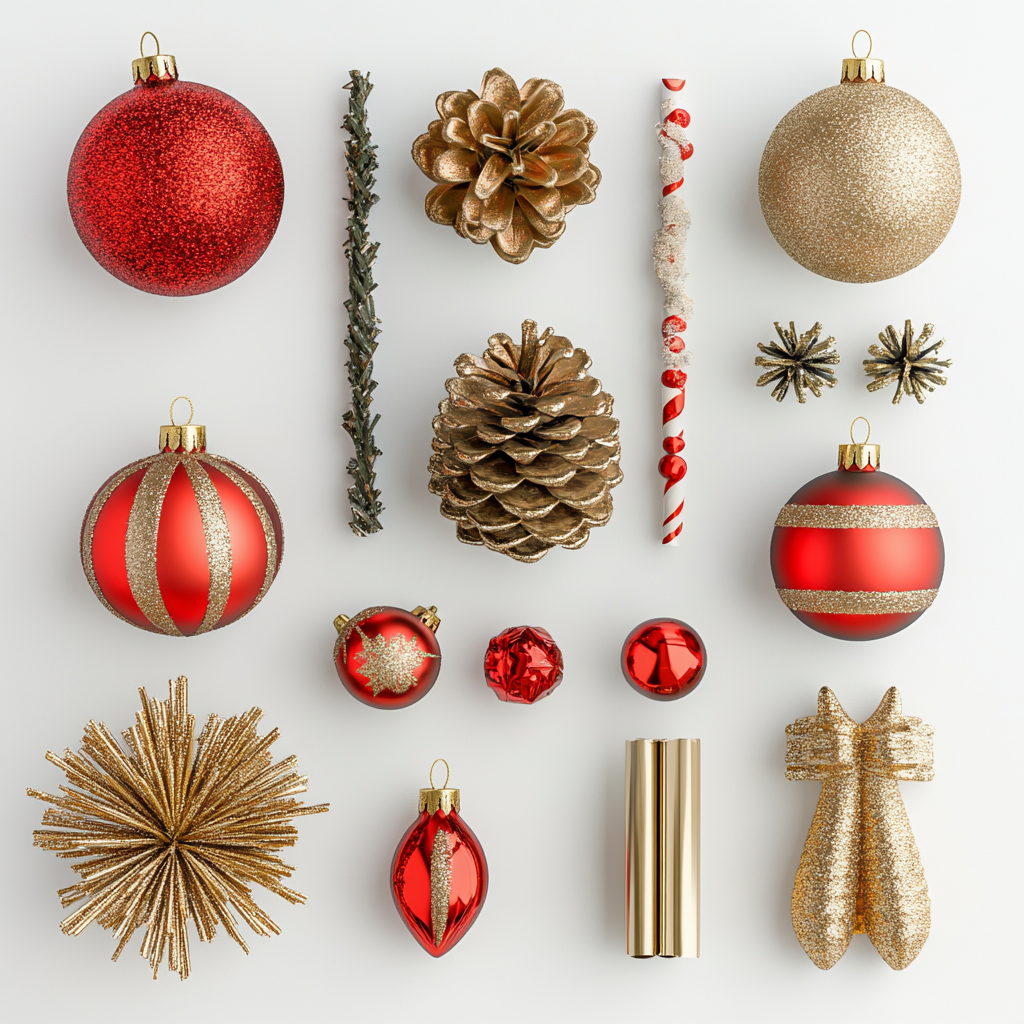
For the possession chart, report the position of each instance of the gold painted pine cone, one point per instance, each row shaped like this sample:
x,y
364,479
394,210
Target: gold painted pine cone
x,y
509,164
526,451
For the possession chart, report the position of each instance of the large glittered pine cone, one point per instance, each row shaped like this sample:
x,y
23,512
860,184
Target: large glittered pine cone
x,y
525,449
509,163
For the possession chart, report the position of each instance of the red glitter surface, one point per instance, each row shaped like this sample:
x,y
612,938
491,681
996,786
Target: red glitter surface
x,y
175,188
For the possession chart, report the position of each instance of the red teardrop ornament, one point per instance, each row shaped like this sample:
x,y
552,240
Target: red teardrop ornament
x,y
439,874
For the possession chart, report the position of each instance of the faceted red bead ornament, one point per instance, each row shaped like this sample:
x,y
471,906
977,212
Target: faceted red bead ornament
x,y
663,659
856,553
388,657
175,188
439,874
184,541
523,664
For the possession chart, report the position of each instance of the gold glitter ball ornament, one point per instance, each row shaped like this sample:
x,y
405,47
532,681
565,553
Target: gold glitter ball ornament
x,y
509,164
174,828
526,451
860,182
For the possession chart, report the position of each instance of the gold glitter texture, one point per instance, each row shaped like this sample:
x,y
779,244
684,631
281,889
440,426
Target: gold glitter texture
x,y
858,517
175,828
858,602
905,361
390,664
440,883
859,182
860,870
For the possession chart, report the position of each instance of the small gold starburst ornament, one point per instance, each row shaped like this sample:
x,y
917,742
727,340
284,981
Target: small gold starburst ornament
x,y
175,828
905,361
802,361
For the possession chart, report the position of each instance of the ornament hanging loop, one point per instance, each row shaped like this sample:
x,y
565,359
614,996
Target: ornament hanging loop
x,y
143,40
191,407
854,423
853,43
447,773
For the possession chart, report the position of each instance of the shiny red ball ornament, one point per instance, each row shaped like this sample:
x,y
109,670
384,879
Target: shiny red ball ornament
x,y
174,187
856,553
664,659
184,541
439,874
388,657
523,664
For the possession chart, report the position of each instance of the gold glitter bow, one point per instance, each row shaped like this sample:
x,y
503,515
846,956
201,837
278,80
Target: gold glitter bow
x,y
860,870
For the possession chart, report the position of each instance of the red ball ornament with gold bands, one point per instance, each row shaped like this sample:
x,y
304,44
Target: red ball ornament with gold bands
x,y
182,542
174,187
856,553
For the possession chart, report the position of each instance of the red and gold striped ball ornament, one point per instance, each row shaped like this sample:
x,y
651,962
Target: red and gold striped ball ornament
x,y
183,541
856,553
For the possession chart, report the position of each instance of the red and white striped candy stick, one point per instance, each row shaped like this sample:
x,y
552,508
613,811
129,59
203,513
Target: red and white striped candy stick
x,y
670,264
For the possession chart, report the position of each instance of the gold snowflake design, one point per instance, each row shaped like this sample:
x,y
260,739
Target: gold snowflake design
x,y
390,664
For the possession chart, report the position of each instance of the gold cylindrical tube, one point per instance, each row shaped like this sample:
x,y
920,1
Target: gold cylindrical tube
x,y
679,848
642,848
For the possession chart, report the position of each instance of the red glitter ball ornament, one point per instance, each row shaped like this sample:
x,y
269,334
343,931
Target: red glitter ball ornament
x,y
523,664
439,874
664,659
856,553
184,541
175,188
388,657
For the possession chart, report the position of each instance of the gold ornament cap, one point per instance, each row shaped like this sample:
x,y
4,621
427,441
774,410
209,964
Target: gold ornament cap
x,y
157,67
860,454
432,800
858,70
185,437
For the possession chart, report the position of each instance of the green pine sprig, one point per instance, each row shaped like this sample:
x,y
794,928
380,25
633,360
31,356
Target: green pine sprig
x,y
361,160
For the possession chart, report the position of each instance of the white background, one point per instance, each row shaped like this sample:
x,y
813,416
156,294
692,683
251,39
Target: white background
x,y
89,366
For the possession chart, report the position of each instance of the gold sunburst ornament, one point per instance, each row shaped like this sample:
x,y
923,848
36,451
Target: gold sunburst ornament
x,y
176,828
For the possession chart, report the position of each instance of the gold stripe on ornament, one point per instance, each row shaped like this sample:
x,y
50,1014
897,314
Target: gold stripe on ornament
x,y
440,883
858,602
218,542
89,528
230,470
858,517
140,543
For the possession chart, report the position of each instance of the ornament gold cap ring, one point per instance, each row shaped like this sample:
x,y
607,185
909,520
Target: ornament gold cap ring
x,y
852,425
143,40
447,773
191,407
853,43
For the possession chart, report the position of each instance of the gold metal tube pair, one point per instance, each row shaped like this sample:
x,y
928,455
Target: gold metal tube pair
x,y
663,848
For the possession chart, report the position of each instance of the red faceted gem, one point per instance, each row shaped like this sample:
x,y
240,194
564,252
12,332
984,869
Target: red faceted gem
x,y
523,664
663,659
439,877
